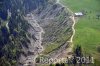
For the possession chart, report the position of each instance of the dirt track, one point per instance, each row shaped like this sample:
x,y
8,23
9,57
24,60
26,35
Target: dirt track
x,y
69,49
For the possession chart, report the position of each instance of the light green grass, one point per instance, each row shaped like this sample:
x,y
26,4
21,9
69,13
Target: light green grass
x,y
88,27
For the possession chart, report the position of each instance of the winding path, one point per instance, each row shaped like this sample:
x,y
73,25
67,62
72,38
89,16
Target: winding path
x,y
73,19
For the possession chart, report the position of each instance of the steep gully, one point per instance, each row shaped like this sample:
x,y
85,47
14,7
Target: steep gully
x,y
35,46
30,60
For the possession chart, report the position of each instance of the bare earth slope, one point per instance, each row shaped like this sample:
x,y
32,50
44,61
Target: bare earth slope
x,y
49,26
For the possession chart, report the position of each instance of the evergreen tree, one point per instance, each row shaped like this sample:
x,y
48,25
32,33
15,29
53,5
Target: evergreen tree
x,y
57,64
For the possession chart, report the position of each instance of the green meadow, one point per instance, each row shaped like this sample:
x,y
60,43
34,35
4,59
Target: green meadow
x,y
88,26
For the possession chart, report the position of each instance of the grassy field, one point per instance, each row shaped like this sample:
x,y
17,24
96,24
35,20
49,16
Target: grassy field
x,y
88,27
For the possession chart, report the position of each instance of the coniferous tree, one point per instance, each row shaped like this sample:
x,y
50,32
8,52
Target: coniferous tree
x,y
57,64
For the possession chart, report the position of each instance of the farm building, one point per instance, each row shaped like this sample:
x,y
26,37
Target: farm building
x,y
78,14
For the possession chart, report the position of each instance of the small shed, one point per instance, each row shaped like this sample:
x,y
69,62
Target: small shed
x,y
78,14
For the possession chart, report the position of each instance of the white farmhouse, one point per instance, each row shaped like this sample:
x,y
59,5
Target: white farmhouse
x,y
78,14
